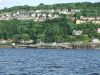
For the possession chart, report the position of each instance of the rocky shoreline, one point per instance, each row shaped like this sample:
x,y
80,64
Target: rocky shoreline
x,y
54,46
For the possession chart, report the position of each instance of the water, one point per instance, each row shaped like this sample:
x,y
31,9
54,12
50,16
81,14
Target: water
x,y
49,62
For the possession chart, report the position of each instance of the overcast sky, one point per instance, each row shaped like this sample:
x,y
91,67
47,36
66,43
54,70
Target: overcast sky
x,y
10,3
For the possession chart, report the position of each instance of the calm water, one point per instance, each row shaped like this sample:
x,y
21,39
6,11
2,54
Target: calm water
x,y
49,62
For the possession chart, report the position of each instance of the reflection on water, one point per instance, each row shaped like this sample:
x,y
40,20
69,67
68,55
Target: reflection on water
x,y
49,62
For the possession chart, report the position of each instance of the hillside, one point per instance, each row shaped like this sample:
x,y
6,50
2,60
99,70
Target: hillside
x,y
51,23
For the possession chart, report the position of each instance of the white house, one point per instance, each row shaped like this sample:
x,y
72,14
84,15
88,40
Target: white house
x,y
77,32
98,30
95,41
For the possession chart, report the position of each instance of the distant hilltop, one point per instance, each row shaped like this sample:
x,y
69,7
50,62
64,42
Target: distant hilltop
x,y
41,6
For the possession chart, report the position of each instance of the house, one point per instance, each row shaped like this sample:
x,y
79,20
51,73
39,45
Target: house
x,y
50,16
69,11
95,20
87,18
23,15
33,14
14,15
95,40
56,16
66,12
52,11
98,30
75,10
4,17
77,32
44,15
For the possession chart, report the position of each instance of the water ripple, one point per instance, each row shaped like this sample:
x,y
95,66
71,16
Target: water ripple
x,y
49,62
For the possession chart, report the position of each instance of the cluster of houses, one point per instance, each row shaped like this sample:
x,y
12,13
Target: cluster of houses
x,y
37,15
95,20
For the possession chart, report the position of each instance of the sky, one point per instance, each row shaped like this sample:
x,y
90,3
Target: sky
x,y
11,3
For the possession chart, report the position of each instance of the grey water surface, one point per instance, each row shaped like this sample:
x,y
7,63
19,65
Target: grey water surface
x,y
49,62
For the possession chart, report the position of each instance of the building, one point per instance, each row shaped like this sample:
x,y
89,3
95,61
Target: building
x,y
95,20
98,30
77,32
95,40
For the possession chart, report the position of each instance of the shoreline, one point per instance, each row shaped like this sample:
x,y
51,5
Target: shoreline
x,y
49,46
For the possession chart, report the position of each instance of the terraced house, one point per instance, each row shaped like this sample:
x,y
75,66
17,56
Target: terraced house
x,y
95,20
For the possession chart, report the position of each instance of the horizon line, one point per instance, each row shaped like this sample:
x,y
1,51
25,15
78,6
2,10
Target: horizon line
x,y
46,4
